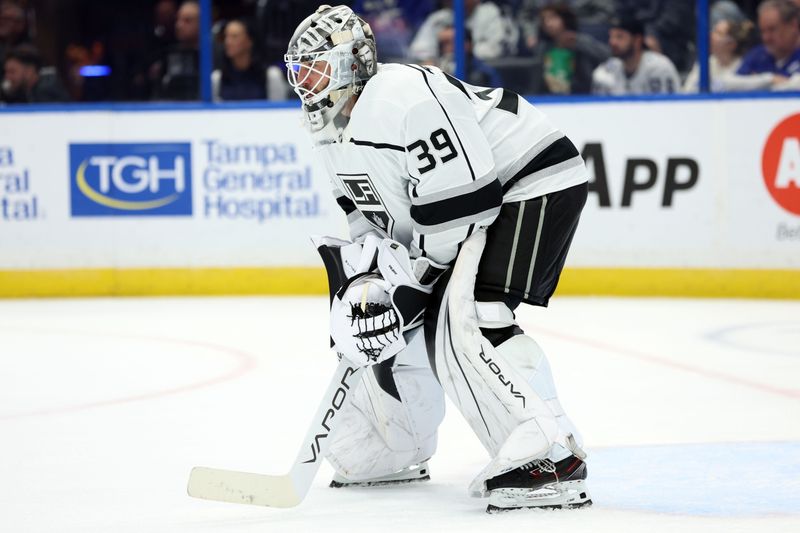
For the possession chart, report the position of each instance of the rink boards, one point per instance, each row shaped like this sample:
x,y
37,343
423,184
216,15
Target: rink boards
x,y
698,197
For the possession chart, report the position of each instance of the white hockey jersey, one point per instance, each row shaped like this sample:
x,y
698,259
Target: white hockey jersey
x,y
426,158
655,75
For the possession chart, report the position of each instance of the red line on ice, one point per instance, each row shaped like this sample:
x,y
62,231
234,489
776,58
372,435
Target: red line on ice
x,y
641,356
246,363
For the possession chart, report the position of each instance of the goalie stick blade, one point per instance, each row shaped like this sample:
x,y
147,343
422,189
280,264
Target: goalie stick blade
x,y
289,490
243,487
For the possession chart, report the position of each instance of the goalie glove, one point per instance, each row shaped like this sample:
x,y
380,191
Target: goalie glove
x,y
377,293
365,327
372,311
362,320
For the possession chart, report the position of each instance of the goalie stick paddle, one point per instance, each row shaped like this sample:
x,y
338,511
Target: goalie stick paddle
x,y
290,489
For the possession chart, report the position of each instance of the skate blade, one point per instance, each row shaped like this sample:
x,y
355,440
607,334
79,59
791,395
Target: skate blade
x,y
563,495
413,474
385,483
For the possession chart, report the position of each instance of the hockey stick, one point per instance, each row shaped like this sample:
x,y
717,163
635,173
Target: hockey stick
x,y
290,489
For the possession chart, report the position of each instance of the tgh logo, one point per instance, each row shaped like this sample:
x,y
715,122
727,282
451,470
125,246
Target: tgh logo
x,y
131,179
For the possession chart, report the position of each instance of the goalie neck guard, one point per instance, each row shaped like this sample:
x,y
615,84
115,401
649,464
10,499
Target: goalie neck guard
x,y
330,57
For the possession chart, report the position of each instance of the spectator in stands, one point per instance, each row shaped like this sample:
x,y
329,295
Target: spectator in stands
x,y
165,14
25,83
493,34
243,75
669,27
148,65
672,32
726,10
567,57
730,39
478,72
178,71
775,64
633,69
394,23
593,18
13,28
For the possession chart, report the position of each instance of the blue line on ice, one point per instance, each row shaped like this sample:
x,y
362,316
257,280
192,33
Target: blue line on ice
x,y
724,479
780,338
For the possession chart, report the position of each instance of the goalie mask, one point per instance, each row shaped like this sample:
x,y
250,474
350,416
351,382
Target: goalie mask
x,y
330,57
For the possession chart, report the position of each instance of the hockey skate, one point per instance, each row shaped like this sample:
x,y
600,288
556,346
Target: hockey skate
x,y
410,474
540,484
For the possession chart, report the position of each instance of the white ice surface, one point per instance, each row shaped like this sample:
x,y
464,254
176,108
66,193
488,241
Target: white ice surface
x,y
690,410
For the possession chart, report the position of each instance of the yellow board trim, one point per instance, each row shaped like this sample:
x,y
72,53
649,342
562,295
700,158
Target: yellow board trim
x,y
681,282
713,283
163,282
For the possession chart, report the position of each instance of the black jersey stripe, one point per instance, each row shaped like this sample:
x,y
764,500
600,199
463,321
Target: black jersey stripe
x,y
451,192
346,204
509,102
457,83
559,151
484,94
425,77
379,146
422,252
480,200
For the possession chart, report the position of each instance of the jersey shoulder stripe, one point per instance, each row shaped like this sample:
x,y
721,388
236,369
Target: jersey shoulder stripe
x,y
559,151
509,102
456,83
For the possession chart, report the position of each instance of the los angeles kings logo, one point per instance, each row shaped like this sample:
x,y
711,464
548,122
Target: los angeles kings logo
x,y
368,201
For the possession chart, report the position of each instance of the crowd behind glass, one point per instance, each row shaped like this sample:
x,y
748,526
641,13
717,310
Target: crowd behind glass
x,y
133,50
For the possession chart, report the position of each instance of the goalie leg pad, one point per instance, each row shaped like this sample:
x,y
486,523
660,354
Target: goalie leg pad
x,y
491,393
393,419
505,393
529,359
